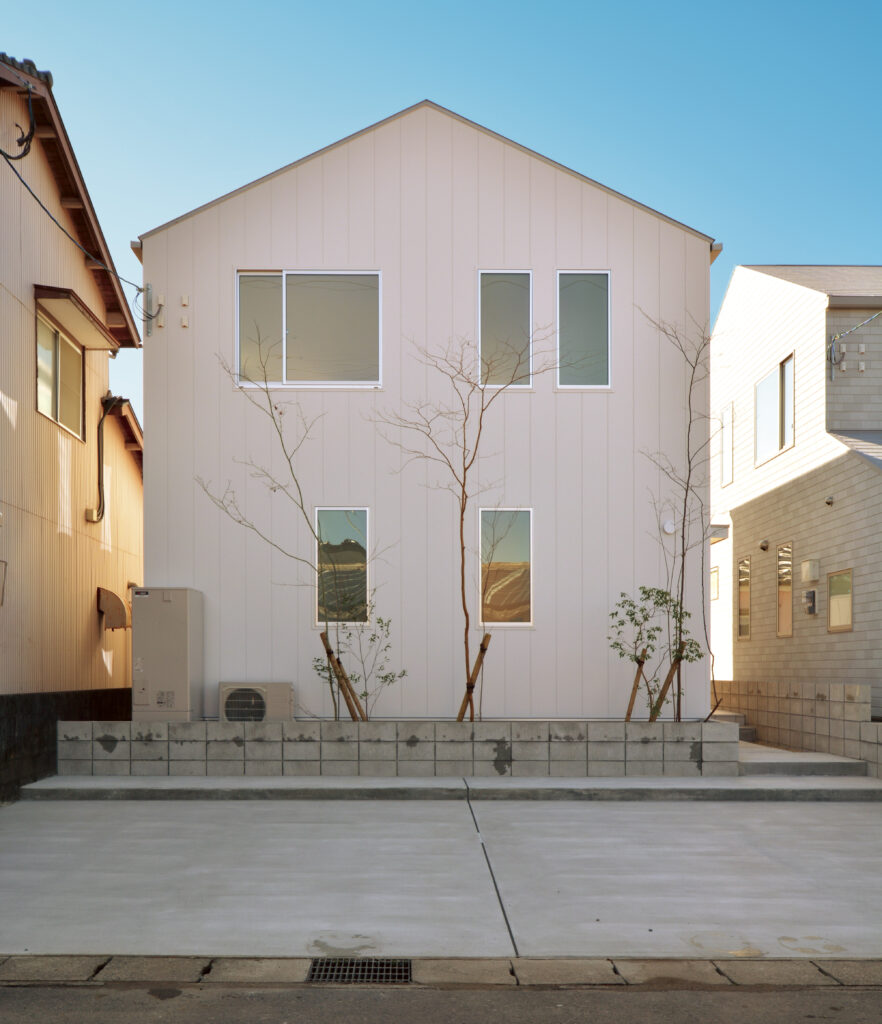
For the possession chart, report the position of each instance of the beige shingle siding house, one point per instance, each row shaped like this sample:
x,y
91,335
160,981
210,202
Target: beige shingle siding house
x,y
798,384
409,223
63,317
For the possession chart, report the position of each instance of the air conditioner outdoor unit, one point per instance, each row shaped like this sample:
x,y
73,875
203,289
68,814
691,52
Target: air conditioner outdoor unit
x,y
256,702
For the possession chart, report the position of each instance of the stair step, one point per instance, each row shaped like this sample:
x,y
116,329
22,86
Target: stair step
x,y
747,733
728,716
756,759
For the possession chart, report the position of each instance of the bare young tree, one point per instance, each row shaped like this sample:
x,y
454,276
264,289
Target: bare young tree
x,y
682,517
448,432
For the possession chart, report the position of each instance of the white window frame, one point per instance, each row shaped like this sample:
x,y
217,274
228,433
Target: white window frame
x,y
528,383
492,623
714,583
312,385
61,338
584,387
319,622
782,447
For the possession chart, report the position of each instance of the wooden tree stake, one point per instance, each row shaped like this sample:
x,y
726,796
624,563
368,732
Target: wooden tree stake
x,y
669,678
356,711
641,661
468,700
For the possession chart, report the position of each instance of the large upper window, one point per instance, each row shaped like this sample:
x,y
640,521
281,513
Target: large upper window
x,y
342,564
583,329
773,422
506,566
309,329
505,329
59,378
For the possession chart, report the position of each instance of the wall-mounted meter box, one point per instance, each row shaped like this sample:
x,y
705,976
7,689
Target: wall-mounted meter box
x,y
808,601
167,674
810,570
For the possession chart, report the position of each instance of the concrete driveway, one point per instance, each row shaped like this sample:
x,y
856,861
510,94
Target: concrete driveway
x,y
412,878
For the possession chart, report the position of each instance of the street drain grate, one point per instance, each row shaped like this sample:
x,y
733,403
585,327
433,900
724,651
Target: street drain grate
x,y
359,970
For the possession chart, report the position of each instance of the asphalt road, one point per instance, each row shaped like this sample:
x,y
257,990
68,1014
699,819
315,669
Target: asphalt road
x,y
360,1005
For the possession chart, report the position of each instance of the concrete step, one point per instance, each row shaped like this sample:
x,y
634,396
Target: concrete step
x,y
758,759
745,732
769,787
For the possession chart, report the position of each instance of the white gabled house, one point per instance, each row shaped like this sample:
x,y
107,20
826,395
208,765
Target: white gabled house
x,y
422,230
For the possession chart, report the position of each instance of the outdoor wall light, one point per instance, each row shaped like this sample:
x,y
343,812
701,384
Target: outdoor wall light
x,y
828,500
764,545
669,526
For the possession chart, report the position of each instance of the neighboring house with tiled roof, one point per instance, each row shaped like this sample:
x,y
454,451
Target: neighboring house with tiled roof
x,y
70,457
796,395
423,230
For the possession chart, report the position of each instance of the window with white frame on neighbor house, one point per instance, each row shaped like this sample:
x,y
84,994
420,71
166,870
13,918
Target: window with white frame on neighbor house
x,y
309,329
839,601
583,329
504,338
506,566
743,597
341,565
59,377
774,412
785,590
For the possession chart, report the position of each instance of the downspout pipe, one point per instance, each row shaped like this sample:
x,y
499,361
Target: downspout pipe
x,y
108,402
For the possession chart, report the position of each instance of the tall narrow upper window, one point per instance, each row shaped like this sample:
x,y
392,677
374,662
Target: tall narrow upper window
x,y
773,420
583,329
59,378
744,598
714,582
727,441
505,329
341,562
506,566
839,609
785,590
310,329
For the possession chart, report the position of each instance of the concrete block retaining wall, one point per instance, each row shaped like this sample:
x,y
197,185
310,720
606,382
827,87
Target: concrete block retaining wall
x,y
829,717
520,749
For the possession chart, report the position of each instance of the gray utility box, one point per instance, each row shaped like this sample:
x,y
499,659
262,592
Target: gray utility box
x,y
167,681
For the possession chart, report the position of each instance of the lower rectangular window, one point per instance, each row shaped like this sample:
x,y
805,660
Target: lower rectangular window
x,y
341,564
506,566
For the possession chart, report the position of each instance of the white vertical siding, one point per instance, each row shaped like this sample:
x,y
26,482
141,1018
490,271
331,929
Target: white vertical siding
x,y
427,201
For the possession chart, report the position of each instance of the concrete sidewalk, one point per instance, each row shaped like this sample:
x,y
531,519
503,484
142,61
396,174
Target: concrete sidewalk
x,y
507,879
749,788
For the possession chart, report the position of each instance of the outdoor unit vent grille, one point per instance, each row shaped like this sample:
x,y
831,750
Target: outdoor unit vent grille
x,y
261,702
361,970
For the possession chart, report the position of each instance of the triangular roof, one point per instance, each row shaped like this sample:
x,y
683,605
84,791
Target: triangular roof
x,y
831,280
449,113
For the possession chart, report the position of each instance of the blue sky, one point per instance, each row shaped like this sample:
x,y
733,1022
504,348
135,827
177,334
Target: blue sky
x,y
757,123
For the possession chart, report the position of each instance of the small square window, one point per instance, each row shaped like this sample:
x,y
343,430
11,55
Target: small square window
x,y
59,378
714,583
